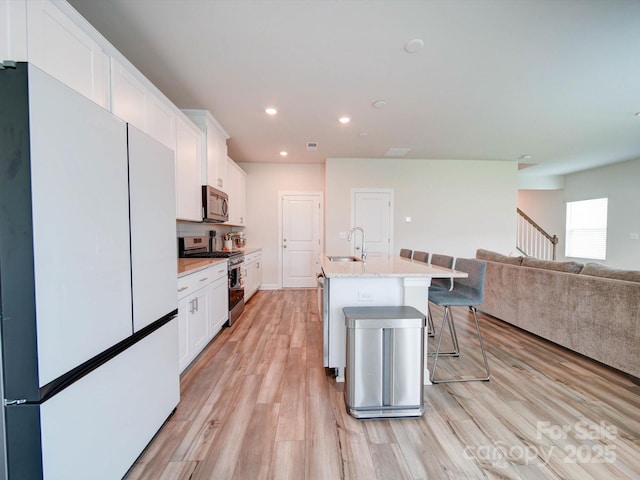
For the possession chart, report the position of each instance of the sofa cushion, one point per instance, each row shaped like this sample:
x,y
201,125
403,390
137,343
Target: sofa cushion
x,y
569,267
482,254
598,270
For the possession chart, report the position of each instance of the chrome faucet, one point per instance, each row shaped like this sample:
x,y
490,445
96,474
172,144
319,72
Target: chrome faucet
x,y
364,252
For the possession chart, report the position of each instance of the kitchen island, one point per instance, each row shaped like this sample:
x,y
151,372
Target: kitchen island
x,y
378,281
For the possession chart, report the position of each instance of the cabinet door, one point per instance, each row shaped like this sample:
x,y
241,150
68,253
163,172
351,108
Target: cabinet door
x,y
128,96
184,353
218,304
199,321
188,171
237,193
240,189
13,30
60,48
258,271
210,168
217,156
133,102
249,288
160,121
214,163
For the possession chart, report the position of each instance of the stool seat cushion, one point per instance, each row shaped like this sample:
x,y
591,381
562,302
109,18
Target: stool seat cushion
x,y
453,298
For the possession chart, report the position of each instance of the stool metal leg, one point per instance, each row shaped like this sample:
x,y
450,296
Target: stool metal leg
x,y
452,329
448,316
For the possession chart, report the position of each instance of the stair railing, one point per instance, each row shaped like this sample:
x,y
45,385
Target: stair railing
x,y
533,240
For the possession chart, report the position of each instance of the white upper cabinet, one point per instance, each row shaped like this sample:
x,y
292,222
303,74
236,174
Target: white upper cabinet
x,y
62,49
13,30
188,171
237,180
160,121
214,167
128,96
134,103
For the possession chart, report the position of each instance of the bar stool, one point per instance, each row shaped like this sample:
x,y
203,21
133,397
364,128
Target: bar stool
x,y
406,253
468,292
421,256
445,261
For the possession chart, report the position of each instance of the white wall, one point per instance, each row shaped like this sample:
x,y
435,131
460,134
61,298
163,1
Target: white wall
x,y
456,206
264,182
618,182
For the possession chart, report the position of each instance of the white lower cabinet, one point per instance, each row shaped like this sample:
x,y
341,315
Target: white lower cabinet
x,y
202,310
219,303
253,276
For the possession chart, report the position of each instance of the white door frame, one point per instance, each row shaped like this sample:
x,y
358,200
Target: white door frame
x,y
354,191
281,195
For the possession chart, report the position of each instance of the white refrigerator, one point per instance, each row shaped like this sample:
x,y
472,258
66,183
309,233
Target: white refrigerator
x,y
87,283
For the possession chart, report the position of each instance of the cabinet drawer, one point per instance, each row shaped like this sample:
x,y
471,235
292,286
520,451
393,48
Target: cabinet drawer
x,y
190,283
252,257
195,281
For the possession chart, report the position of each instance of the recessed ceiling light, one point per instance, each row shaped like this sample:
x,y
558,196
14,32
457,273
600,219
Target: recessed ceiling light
x,y
271,110
526,157
637,114
413,46
379,104
344,119
284,153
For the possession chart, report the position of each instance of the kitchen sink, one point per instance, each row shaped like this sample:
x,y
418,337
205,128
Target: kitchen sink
x,y
343,259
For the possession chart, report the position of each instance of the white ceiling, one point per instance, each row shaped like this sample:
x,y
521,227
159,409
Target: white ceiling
x,y
496,79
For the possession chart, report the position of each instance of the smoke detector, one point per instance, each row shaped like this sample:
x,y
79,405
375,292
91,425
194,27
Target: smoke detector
x,y
312,146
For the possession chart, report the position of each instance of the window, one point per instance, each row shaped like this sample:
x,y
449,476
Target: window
x,y
587,229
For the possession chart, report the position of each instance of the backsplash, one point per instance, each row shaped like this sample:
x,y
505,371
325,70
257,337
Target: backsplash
x,y
186,229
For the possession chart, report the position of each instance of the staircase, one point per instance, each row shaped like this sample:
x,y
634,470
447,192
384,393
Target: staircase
x,y
533,240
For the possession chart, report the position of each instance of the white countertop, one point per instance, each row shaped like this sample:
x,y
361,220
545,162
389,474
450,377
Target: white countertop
x,y
386,266
187,266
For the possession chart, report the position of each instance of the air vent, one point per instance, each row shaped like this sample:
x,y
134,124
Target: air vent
x,y
397,152
312,146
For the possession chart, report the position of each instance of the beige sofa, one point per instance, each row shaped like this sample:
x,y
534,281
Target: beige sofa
x,y
591,309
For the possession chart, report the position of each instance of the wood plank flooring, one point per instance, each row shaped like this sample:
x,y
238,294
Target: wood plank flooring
x,y
258,404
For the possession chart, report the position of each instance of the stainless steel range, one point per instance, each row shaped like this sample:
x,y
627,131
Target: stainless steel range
x,y
203,247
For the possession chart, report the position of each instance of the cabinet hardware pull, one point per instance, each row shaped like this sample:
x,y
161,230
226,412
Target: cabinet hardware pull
x,y
182,289
204,279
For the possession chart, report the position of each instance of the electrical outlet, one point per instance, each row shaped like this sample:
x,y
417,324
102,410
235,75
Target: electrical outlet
x,y
365,297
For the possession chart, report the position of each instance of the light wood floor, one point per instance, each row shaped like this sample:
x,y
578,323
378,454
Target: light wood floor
x,y
258,404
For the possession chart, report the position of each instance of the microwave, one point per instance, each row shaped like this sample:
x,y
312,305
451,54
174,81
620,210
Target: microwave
x,y
215,205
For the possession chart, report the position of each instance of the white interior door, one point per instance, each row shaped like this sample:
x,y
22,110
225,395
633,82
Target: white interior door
x,y
373,212
301,239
